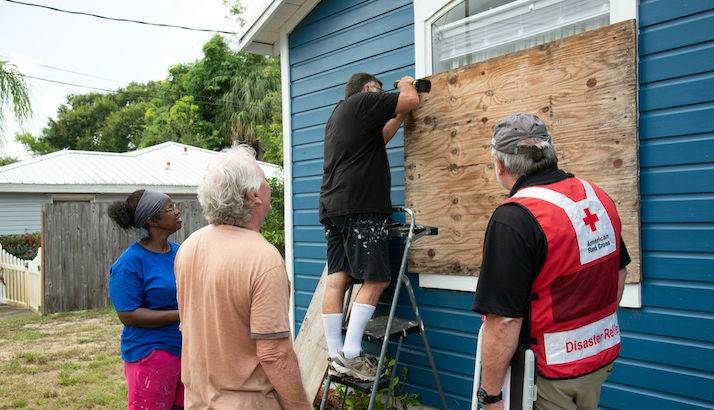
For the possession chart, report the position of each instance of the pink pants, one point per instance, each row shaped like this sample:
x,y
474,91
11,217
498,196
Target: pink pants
x,y
154,382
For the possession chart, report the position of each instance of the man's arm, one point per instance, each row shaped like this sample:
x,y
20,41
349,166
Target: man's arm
x,y
281,366
621,284
500,339
391,127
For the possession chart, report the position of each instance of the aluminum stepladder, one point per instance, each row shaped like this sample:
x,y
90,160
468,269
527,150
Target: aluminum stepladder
x,y
519,388
381,329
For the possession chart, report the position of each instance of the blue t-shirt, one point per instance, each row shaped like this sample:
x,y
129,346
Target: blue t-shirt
x,y
141,278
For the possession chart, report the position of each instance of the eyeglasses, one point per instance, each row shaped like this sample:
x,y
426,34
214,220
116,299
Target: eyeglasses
x,y
173,209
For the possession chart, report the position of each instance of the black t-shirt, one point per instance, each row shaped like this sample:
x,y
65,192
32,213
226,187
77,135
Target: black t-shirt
x,y
514,252
356,177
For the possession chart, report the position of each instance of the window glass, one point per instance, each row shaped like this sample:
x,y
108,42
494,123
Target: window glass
x,y
476,30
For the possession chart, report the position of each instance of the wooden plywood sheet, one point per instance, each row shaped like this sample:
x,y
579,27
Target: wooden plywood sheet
x,y
585,89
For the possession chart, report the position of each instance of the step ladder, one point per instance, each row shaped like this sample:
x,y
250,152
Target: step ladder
x,y
381,329
519,384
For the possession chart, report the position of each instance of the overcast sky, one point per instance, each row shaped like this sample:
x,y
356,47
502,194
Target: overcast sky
x,y
115,50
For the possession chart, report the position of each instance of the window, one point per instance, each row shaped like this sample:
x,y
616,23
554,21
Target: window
x,y
87,198
475,30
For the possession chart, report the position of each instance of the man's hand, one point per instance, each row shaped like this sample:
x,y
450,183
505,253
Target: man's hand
x,y
405,81
408,96
494,406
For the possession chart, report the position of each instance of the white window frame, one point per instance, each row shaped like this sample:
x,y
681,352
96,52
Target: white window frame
x,y
425,13
87,198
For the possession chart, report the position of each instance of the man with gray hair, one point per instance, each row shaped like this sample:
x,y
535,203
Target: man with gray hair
x,y
552,275
233,298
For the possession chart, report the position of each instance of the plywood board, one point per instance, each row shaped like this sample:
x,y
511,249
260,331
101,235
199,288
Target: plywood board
x,y
585,89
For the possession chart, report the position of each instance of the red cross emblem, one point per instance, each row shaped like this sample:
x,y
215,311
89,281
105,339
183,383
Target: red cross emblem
x,y
590,219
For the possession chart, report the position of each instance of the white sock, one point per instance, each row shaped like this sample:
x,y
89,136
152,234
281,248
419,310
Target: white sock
x,y
332,322
359,317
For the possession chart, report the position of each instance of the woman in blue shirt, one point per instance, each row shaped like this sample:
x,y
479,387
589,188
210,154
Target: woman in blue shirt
x,y
142,288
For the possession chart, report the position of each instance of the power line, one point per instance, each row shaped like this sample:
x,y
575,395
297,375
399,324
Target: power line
x,y
81,13
62,82
198,97
64,69
197,101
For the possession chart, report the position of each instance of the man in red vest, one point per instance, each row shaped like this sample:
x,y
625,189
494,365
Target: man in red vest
x,y
553,272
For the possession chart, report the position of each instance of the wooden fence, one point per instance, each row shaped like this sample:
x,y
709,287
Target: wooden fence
x,y
21,280
81,242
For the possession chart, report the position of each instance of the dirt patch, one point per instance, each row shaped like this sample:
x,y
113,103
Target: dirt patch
x,y
61,361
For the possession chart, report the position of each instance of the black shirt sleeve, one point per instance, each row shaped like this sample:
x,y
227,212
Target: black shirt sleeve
x,y
377,109
514,251
624,255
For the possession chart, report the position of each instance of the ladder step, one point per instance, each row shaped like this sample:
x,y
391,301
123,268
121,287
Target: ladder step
x,y
358,384
378,325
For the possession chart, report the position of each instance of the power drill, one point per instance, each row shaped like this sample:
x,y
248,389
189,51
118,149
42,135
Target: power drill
x,y
422,85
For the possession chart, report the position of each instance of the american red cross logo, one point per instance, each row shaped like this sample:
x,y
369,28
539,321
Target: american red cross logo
x,y
590,219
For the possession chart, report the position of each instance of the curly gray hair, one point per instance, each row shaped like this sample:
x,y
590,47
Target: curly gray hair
x,y
224,191
533,154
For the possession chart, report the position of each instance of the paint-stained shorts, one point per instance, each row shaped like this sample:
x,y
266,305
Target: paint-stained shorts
x,y
154,382
359,245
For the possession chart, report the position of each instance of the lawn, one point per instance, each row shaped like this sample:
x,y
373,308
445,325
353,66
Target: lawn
x,y
67,361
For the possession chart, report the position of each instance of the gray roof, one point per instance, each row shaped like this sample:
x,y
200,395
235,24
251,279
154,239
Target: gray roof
x,y
169,167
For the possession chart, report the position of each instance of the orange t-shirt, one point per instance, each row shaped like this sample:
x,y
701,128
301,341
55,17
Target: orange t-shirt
x,y
232,289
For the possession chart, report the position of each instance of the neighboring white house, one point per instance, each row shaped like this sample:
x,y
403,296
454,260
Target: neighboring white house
x,y
88,176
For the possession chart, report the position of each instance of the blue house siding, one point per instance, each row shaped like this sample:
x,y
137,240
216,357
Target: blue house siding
x,y
337,39
668,345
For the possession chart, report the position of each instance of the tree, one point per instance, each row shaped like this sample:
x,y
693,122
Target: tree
x,y
253,101
13,95
212,102
7,160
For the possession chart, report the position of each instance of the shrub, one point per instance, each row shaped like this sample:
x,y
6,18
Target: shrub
x,y
274,225
24,246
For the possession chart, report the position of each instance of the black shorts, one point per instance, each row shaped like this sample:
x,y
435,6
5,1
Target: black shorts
x,y
359,245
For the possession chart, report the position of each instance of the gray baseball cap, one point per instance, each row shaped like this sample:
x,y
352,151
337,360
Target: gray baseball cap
x,y
516,128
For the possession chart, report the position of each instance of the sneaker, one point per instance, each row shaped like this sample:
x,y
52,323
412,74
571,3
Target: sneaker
x,y
361,367
331,367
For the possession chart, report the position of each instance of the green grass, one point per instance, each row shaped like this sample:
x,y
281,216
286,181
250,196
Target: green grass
x,y
67,361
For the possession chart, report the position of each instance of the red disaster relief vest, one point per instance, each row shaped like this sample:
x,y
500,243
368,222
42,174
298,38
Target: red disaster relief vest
x,y
574,297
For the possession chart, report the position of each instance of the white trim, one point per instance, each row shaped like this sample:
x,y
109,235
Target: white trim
x,y
73,198
623,10
253,27
448,282
94,189
287,170
426,11
632,296
262,25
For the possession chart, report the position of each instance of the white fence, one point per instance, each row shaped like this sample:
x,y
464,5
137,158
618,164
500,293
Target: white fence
x,y
22,280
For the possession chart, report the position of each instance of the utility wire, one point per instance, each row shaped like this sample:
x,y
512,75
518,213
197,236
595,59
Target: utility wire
x,y
81,13
196,100
64,69
62,82
200,98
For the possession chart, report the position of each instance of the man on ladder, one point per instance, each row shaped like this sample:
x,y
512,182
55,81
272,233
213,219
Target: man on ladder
x,y
354,208
553,272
